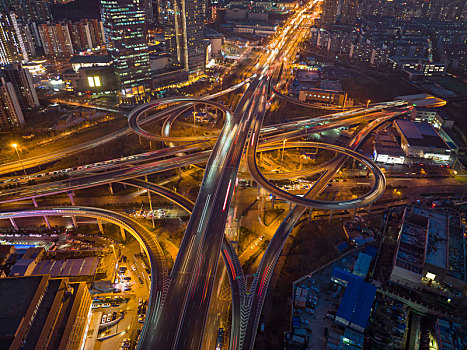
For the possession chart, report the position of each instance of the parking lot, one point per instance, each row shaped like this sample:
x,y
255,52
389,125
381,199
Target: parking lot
x,y
322,299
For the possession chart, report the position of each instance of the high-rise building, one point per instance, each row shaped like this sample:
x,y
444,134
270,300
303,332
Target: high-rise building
x,y
329,11
56,40
9,46
86,34
340,11
96,30
11,115
184,22
125,34
80,36
21,80
32,10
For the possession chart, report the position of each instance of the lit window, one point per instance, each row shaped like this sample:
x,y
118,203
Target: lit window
x,y
430,276
91,81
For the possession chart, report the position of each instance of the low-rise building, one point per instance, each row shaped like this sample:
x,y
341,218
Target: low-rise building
x,y
39,312
331,97
430,251
356,304
422,140
386,149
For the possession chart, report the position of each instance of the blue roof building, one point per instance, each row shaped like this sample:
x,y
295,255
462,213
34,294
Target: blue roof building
x,y
357,302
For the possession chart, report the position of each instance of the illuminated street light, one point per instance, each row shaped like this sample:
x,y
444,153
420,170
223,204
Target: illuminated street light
x,y
15,146
367,103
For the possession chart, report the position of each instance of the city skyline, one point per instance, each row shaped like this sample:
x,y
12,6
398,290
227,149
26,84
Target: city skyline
x,y
233,175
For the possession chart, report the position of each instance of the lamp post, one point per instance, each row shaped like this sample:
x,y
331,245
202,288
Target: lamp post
x,y
15,146
367,103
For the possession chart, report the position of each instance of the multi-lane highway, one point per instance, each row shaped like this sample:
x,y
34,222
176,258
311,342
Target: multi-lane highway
x,y
177,314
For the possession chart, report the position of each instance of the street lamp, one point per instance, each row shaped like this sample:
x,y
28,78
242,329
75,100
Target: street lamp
x,y
15,146
367,103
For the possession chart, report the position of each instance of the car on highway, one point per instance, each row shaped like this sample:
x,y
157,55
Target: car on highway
x,y
133,267
126,344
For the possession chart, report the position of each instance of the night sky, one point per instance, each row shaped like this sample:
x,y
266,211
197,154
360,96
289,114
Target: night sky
x,y
76,10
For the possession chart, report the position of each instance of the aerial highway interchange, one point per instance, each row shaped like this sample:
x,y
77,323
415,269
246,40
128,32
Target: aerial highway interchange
x,y
180,300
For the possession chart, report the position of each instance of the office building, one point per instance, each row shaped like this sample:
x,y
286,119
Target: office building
x,y
124,29
11,115
21,80
56,40
185,35
39,312
9,45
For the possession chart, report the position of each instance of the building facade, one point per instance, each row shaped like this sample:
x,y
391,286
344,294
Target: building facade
x,y
21,80
11,115
124,28
56,40
185,35
9,45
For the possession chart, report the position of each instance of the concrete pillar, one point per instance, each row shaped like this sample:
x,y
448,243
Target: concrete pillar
x,y
330,215
272,202
111,189
13,223
122,232
150,208
34,202
72,199
46,221
75,223
310,213
369,208
99,223
290,206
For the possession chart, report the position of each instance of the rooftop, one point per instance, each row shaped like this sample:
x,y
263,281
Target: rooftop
x,y
69,267
421,134
90,59
355,306
16,295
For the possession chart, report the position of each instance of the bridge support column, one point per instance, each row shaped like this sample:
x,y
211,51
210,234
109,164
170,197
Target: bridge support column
x,y
272,202
34,202
111,189
13,223
150,208
72,199
354,214
290,206
122,232
75,223
46,221
330,215
310,214
369,208
99,223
